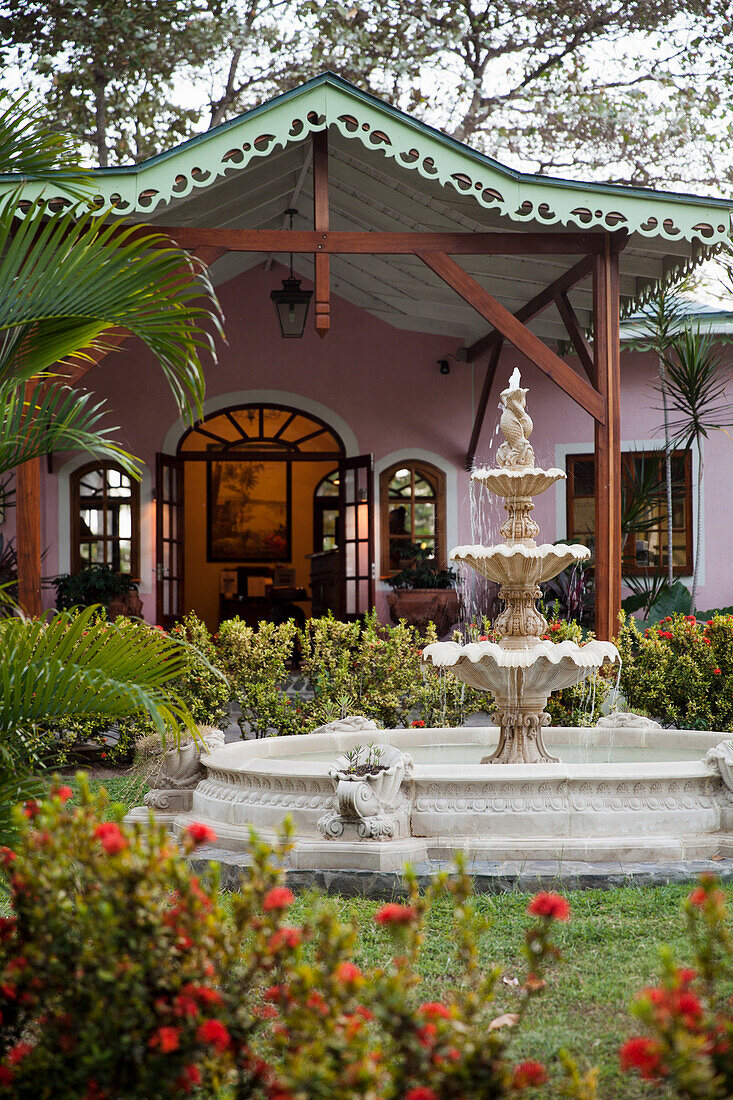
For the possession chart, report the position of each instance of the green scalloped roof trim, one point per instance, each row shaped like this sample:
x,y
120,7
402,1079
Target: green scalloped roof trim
x,y
328,100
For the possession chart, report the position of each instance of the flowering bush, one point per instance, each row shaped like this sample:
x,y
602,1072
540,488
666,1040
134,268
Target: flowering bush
x,y
680,670
687,1017
122,977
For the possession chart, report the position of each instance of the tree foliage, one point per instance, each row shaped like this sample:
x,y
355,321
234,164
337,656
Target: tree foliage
x,y
633,89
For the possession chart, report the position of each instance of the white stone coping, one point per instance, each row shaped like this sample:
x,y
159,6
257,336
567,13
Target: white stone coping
x,y
263,757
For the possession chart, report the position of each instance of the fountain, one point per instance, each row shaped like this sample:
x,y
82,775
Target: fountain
x,y
521,670
366,800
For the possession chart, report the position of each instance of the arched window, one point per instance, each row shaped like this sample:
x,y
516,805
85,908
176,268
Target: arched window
x,y
105,518
326,513
412,498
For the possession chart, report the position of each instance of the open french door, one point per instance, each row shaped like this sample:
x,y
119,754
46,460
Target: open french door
x,y
356,535
169,484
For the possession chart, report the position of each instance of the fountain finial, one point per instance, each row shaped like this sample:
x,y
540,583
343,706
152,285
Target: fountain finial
x,y
516,425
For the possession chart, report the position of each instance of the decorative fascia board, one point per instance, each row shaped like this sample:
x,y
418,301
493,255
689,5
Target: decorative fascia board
x,y
330,101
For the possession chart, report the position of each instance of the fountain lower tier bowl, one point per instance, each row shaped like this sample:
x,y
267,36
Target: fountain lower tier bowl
x,y
519,564
618,795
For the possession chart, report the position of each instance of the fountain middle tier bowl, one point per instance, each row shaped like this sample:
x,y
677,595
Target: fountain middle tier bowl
x,y
524,481
520,564
532,673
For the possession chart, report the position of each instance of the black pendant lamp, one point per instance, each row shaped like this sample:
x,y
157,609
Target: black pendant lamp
x,y
291,303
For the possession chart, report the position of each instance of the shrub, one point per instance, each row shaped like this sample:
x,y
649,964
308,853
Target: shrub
x,y
202,689
375,670
680,670
687,1017
95,584
254,662
122,977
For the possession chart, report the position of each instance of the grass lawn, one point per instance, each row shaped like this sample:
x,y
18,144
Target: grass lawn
x,y
609,951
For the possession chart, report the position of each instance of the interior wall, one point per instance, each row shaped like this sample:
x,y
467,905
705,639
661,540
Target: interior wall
x,y
201,584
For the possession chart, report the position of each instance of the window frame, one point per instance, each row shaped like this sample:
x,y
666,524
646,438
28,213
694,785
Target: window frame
x,y
77,476
438,478
684,570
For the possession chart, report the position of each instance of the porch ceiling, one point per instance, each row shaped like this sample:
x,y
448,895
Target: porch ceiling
x,y
388,172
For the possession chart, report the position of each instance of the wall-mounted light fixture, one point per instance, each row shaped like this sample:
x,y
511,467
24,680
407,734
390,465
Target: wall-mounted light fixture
x,y
444,366
291,303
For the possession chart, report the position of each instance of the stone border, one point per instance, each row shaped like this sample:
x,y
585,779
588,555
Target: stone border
x,y
495,877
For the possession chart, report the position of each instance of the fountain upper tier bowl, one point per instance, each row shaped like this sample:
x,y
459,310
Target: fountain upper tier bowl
x,y
531,673
521,482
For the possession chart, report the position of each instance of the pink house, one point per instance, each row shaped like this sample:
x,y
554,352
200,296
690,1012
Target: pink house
x,y
265,488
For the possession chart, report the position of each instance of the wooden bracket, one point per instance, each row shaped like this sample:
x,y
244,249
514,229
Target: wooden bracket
x,y
577,337
321,222
516,333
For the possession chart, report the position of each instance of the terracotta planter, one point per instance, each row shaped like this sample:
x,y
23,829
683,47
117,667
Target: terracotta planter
x,y
420,606
130,604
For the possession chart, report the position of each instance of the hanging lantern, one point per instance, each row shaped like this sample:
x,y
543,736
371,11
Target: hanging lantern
x,y
291,303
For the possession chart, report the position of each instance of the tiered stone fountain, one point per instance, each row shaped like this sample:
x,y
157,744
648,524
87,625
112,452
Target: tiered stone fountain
x,y
521,670
616,798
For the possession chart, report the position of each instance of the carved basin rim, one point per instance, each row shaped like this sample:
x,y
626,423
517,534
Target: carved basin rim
x,y
451,654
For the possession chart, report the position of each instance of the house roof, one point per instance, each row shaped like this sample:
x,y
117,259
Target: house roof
x,y
711,320
391,172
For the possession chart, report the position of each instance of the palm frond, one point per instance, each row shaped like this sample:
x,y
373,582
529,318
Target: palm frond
x,y
66,279
696,388
29,146
71,665
54,417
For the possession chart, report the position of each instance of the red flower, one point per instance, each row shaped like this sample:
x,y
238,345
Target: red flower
x,y
285,937
204,994
7,928
17,1053
426,1035
643,1055
111,837
553,906
418,724
190,1077
31,808
422,1092
6,1075
317,1001
434,1009
707,641
348,972
214,1032
166,1039
278,898
529,1074
392,913
7,857
685,975
716,672
64,793
199,833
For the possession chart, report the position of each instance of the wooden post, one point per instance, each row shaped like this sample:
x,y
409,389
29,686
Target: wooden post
x,y
321,222
28,500
607,443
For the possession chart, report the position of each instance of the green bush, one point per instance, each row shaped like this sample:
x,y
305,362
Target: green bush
x,y
254,662
680,670
375,670
121,976
203,690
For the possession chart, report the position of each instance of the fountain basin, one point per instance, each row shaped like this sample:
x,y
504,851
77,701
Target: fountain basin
x,y
656,804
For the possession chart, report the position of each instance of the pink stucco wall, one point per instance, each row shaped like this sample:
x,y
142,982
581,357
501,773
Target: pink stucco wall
x,y
386,386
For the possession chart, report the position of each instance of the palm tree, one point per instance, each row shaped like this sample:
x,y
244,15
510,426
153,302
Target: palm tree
x,y
663,318
695,388
66,278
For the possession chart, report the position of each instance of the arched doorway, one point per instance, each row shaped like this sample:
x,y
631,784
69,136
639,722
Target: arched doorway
x,y
236,515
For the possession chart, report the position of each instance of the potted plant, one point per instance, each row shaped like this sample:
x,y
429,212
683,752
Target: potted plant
x,y
422,593
98,584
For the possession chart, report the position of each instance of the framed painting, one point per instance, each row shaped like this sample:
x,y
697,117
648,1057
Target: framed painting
x,y
248,508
